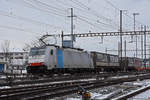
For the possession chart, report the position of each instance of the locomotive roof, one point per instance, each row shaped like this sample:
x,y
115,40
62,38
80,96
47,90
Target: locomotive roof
x,y
44,46
74,48
103,53
132,57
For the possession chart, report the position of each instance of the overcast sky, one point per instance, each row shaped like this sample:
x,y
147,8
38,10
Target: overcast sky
x,y
22,21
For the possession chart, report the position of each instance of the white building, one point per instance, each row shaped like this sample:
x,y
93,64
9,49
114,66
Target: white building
x,y
15,61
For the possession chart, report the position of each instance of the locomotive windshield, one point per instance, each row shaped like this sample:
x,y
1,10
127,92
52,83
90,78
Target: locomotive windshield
x,y
37,51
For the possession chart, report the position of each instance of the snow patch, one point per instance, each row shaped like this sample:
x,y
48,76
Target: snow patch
x,y
5,87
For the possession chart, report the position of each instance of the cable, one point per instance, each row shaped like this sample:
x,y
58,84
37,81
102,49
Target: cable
x,y
96,14
37,8
26,19
51,9
57,9
89,23
99,22
119,10
18,29
108,2
47,6
91,10
87,11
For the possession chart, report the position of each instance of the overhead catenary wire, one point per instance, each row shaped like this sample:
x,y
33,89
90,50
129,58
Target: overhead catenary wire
x,y
18,29
29,4
99,22
111,4
49,7
80,15
44,10
88,10
57,9
98,27
2,13
91,10
44,7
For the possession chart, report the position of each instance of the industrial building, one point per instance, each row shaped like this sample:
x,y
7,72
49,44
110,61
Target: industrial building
x,y
13,62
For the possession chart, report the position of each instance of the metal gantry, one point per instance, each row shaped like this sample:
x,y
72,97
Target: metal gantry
x,y
125,33
102,34
110,34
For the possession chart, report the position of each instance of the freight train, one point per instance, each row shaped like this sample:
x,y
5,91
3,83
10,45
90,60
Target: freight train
x,y
52,59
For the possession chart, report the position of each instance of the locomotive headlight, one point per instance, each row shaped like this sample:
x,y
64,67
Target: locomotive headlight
x,y
42,63
29,64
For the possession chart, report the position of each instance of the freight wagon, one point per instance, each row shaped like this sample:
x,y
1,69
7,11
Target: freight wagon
x,y
132,63
105,62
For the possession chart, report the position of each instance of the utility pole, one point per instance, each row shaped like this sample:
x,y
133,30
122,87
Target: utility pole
x,y
125,53
149,55
72,16
62,38
134,14
145,46
105,50
121,38
141,43
125,48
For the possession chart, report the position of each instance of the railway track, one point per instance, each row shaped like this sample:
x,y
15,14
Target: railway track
x,y
59,89
20,91
32,80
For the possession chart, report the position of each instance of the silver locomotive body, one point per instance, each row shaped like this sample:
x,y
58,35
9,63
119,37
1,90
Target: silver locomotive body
x,y
51,59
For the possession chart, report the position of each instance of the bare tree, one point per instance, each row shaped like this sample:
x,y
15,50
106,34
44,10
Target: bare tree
x,y
5,46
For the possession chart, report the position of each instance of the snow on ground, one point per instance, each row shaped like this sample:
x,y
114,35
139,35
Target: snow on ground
x,y
118,90
5,87
145,95
74,99
94,94
115,77
107,96
2,76
142,96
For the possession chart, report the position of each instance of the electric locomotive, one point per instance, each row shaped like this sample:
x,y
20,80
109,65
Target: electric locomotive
x,y
53,59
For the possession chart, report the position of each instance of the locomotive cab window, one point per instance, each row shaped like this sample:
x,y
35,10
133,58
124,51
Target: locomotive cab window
x,y
37,51
51,52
